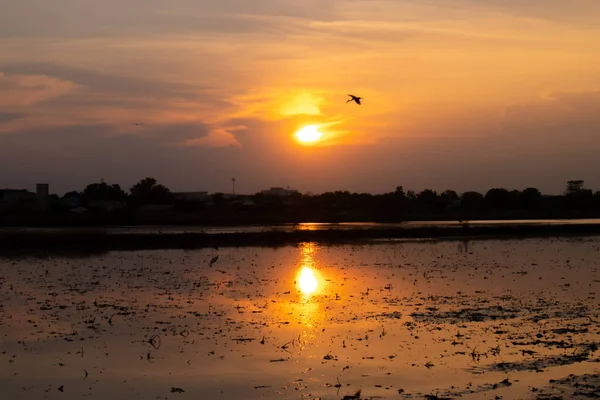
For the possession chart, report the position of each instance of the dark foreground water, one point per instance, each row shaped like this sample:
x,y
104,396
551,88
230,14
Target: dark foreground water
x,y
512,319
310,226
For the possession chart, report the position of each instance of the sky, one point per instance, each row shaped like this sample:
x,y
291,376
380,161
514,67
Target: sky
x,y
460,94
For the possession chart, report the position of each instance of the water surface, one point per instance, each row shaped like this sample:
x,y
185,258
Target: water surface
x,y
311,226
399,320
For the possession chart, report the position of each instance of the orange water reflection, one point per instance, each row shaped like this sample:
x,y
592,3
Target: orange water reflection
x,y
309,280
310,284
247,321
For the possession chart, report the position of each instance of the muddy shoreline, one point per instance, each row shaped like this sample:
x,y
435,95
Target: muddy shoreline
x,y
100,240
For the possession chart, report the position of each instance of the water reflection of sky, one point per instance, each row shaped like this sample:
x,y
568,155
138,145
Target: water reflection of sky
x,y
292,321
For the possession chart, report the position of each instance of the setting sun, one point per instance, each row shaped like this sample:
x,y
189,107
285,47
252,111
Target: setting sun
x,y
309,134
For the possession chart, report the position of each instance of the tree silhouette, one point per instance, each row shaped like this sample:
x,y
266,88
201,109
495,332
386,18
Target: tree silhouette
x,y
574,187
472,200
104,192
530,198
449,197
399,192
578,198
499,198
427,201
72,194
148,191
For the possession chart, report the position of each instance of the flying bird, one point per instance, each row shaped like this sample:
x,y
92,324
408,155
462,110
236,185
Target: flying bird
x,y
354,98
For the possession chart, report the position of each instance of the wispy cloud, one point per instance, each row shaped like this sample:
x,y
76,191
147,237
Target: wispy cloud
x,y
21,91
218,137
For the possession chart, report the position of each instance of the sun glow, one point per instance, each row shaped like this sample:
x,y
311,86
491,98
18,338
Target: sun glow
x,y
309,134
307,281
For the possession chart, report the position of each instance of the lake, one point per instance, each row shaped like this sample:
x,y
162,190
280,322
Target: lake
x,y
312,226
509,319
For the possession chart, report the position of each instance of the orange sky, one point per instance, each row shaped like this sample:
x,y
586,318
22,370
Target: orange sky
x,y
457,94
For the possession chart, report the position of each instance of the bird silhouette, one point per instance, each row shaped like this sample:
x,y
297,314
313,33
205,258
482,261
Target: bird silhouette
x,y
354,98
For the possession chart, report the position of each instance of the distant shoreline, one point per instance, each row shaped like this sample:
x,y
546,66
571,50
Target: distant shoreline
x,y
94,240
214,219
193,224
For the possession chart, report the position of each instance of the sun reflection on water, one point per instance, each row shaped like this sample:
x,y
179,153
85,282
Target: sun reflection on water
x,y
307,281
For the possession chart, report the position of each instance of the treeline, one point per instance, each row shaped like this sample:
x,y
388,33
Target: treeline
x,y
149,202
400,205
146,191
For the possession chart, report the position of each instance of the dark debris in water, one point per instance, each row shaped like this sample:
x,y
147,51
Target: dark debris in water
x,y
385,310
585,386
